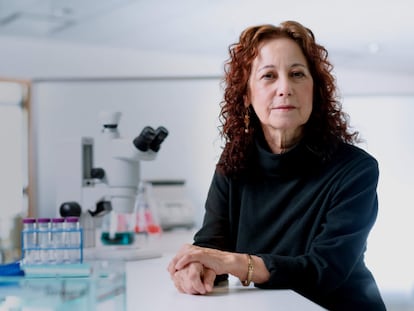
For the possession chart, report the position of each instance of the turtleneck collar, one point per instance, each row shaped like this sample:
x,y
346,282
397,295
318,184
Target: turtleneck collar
x,y
298,160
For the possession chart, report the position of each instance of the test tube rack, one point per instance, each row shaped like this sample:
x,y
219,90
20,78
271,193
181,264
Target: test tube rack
x,y
56,251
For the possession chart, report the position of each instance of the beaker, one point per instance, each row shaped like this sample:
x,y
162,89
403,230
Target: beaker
x,y
117,229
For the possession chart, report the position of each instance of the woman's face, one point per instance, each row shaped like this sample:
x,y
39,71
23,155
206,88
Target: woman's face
x,y
281,88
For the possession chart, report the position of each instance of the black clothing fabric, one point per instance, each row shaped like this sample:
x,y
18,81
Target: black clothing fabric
x,y
308,219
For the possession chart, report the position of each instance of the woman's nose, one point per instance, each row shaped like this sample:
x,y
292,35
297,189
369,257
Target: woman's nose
x,y
284,87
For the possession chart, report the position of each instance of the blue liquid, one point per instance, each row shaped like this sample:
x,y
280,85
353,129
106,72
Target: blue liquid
x,y
120,238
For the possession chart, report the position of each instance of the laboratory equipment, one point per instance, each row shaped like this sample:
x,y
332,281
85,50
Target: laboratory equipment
x,y
72,240
99,178
96,285
146,217
173,207
43,239
57,240
54,241
29,240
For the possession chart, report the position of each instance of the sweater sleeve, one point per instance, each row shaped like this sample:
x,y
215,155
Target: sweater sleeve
x,y
215,231
341,241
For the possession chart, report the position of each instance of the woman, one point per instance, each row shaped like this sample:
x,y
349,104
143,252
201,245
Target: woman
x,y
292,200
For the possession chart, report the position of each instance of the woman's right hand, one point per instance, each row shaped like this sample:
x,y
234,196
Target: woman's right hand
x,y
194,279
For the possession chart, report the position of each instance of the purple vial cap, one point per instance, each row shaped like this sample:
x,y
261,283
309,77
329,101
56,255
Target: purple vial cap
x,y
72,219
57,220
29,220
43,220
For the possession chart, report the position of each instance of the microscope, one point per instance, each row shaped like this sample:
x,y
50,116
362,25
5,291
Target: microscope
x,y
100,179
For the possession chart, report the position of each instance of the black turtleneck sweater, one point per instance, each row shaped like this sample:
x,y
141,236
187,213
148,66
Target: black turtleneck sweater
x,y
307,219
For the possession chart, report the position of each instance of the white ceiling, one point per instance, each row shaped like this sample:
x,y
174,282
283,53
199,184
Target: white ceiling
x,y
363,34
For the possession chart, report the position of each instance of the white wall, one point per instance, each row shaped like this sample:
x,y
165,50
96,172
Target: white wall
x,y
36,58
385,125
11,125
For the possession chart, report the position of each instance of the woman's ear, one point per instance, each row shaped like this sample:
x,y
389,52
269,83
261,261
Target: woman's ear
x,y
246,101
246,97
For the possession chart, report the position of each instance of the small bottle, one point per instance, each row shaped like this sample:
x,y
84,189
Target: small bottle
x,y
44,239
57,240
73,240
29,240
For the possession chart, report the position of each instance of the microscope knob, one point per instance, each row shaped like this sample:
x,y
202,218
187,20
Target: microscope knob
x,y
98,173
102,208
70,209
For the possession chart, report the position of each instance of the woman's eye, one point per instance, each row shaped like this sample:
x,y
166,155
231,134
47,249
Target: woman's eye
x,y
268,75
298,74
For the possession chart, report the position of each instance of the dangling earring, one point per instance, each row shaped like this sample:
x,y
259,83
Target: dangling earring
x,y
246,121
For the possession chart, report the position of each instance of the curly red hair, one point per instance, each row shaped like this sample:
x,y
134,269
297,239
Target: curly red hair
x,y
327,125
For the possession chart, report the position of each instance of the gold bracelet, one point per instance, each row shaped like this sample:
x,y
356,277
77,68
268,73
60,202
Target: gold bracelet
x,y
250,270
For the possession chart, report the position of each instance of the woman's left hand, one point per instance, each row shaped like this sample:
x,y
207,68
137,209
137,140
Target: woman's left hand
x,y
218,261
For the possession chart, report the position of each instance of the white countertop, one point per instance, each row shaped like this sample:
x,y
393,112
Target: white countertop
x,y
149,287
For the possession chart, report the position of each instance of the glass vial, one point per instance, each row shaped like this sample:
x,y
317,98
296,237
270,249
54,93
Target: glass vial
x,y
73,240
57,240
29,240
44,239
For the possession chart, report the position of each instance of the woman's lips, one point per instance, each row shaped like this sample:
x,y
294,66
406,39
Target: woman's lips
x,y
284,107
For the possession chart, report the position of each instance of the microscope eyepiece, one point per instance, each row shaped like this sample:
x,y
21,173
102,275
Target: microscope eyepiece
x,y
150,138
143,140
160,134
